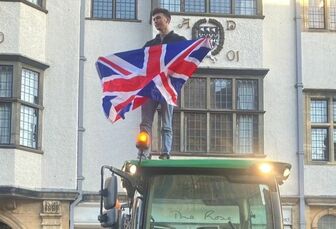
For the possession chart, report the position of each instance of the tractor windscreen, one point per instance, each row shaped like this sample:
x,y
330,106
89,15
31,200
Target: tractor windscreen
x,y
208,202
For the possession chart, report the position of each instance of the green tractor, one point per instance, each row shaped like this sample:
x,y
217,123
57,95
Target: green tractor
x,y
194,193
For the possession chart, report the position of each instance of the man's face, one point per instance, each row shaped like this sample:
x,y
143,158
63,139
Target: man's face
x,y
160,21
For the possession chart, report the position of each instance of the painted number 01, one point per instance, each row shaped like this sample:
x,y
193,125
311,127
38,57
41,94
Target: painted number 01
x,y
232,55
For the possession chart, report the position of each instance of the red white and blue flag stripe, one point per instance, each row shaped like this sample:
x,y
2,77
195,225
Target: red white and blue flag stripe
x,y
157,72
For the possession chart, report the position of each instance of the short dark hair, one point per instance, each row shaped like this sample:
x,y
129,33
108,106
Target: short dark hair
x,y
165,12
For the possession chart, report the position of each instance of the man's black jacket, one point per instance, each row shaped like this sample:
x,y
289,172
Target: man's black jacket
x,y
169,38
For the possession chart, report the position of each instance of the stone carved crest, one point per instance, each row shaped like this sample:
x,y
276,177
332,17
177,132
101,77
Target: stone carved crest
x,y
210,28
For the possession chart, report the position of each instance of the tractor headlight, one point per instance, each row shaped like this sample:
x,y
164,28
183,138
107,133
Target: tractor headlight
x,y
132,169
286,173
265,168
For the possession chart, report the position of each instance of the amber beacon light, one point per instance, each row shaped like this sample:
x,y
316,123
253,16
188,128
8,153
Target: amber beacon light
x,y
143,141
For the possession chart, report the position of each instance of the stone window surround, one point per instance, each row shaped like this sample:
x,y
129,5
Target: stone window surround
x,y
317,94
18,62
305,12
318,217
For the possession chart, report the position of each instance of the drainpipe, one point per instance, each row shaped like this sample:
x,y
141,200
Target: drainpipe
x,y
80,127
299,113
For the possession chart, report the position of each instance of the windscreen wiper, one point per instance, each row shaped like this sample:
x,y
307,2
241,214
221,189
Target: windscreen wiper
x,y
231,225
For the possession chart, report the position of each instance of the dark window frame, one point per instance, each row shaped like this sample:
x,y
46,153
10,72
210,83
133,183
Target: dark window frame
x,y
258,14
15,102
329,125
208,74
114,10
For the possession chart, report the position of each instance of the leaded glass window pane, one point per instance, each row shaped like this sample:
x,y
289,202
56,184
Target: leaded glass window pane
x,y
5,118
196,132
196,6
247,134
171,5
319,144
28,126
125,9
221,93
102,8
195,93
6,80
246,7
220,6
319,111
19,115
29,86
247,94
327,222
316,14
332,14
221,133
209,122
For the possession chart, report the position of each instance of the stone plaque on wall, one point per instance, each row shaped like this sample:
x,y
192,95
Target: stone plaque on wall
x,y
51,207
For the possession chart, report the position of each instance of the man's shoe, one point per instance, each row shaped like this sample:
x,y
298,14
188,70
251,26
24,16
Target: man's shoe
x,y
164,156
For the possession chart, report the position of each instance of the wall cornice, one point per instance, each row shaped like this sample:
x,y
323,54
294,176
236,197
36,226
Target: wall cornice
x,y
234,71
50,194
29,4
23,59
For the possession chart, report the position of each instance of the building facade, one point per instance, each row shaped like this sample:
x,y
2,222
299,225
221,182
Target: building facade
x,y
268,89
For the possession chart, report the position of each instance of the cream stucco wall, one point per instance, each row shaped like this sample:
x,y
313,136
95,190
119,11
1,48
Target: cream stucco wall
x,y
60,96
24,30
279,91
27,169
10,27
104,142
20,169
319,60
320,180
32,39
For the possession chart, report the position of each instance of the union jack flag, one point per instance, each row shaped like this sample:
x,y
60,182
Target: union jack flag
x,y
157,72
